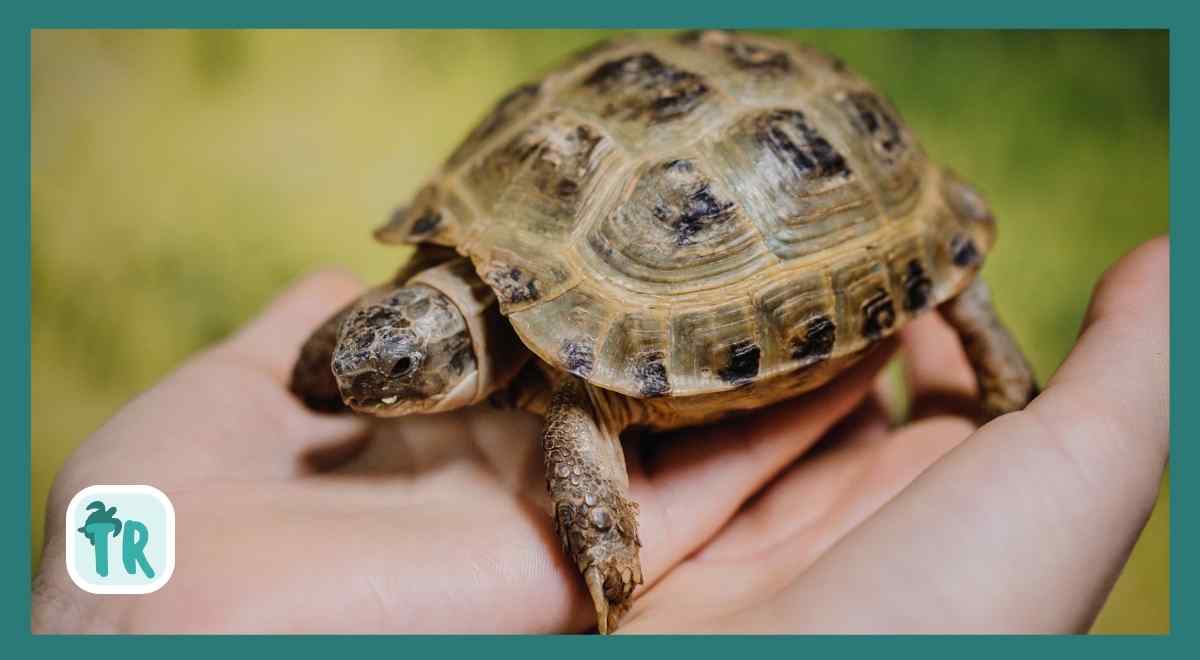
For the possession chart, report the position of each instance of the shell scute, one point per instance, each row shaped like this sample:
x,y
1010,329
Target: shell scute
x,y
799,314
740,53
522,270
647,98
807,195
678,229
507,111
543,174
865,300
436,215
574,323
749,66
716,346
910,273
959,230
635,355
892,157
642,87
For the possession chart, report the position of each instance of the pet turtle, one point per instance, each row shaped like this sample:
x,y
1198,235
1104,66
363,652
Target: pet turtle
x,y
659,233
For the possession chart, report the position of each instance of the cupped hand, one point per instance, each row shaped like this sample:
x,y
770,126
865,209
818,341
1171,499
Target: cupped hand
x,y
290,521
936,526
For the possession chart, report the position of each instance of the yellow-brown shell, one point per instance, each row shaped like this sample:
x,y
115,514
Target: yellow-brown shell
x,y
689,215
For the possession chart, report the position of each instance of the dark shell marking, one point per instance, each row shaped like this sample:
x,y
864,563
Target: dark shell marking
x,y
691,208
818,341
512,285
964,252
676,229
790,137
650,374
917,287
430,217
743,363
871,118
577,357
643,87
805,197
757,59
562,165
879,315
741,54
428,222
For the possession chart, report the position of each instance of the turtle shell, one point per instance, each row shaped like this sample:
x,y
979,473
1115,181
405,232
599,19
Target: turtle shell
x,y
688,215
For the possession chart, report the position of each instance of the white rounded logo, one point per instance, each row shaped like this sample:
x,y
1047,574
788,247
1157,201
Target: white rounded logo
x,y
120,539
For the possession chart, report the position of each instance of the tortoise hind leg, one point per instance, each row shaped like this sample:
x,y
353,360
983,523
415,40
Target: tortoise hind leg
x,y
593,515
1006,381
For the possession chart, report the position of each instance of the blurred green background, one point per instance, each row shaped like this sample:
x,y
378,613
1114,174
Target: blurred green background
x,y
179,179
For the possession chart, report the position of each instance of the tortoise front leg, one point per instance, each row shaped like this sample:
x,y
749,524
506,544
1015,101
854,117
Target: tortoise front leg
x,y
593,515
1006,381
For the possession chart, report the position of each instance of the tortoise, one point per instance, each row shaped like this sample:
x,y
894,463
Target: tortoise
x,y
659,233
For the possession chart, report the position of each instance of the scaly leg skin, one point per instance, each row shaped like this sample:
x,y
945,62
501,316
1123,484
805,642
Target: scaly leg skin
x,y
593,515
1006,381
312,376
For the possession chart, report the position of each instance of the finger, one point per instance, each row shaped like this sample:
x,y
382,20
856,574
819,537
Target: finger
x,y
820,498
272,341
1027,524
691,483
939,378
812,505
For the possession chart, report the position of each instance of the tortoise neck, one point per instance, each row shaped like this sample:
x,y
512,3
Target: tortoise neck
x,y
499,354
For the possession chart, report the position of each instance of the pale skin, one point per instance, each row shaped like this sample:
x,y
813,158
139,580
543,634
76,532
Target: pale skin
x,y
932,525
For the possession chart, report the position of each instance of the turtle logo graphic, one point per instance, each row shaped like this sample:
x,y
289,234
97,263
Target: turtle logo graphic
x,y
144,537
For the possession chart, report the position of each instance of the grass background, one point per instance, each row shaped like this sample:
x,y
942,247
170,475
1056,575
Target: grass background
x,y
181,178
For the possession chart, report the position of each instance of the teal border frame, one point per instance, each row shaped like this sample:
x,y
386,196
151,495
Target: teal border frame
x,y
15,280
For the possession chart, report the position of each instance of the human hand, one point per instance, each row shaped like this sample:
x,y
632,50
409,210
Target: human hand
x,y
437,525
935,526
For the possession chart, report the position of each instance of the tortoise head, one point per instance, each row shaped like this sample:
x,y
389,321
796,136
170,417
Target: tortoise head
x,y
404,350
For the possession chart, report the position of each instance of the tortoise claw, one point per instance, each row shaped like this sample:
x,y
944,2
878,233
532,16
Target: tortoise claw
x,y
595,585
611,586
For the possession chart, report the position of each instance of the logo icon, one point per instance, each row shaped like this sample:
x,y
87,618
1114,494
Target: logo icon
x,y
120,539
